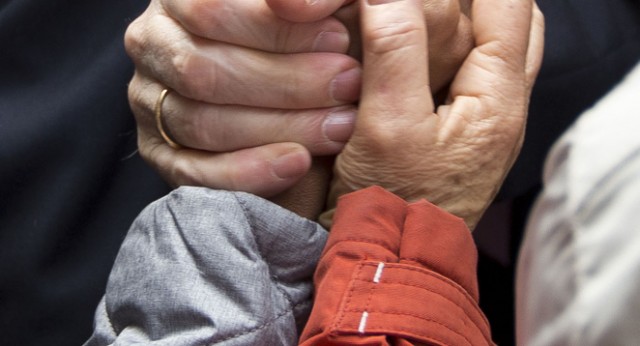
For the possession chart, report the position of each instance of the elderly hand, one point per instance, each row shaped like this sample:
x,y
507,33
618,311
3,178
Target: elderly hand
x,y
252,95
448,29
455,155
237,82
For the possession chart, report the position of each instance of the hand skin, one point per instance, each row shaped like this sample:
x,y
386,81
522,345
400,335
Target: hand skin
x,y
449,38
243,103
247,107
448,24
456,155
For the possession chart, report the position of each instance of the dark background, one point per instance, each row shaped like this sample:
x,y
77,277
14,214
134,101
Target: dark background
x,y
590,45
71,182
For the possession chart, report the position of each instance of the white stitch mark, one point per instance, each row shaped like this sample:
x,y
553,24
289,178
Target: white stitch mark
x,y
376,278
363,322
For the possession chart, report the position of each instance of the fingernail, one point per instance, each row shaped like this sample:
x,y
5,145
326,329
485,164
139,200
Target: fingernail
x,y
329,41
289,165
380,2
338,126
346,85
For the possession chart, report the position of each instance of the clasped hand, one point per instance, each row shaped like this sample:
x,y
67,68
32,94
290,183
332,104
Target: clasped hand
x,y
259,87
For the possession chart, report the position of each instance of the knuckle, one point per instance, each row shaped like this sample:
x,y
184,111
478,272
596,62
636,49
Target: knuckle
x,y
185,173
394,37
499,53
134,37
140,96
202,16
194,74
380,137
136,99
135,96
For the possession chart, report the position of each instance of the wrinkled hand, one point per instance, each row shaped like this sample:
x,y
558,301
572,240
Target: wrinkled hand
x,y
252,95
238,83
455,156
448,22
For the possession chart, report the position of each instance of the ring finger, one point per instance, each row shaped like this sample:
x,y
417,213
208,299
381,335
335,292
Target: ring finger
x,y
221,128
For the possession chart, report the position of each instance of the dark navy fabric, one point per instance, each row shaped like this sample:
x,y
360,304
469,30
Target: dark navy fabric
x,y
71,183
590,45
70,180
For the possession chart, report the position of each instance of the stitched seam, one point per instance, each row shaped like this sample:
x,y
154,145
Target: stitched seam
x,y
370,292
347,301
406,329
433,275
423,288
465,295
358,277
356,240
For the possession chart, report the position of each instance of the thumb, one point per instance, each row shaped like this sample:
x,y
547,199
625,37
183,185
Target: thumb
x,y
396,74
395,97
305,10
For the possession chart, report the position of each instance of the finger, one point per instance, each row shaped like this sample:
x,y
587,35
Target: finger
x,y
502,28
395,77
305,10
219,128
450,40
253,24
264,171
496,67
224,128
450,37
220,73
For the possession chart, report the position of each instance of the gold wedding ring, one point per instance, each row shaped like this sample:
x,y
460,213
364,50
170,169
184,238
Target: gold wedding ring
x,y
158,111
